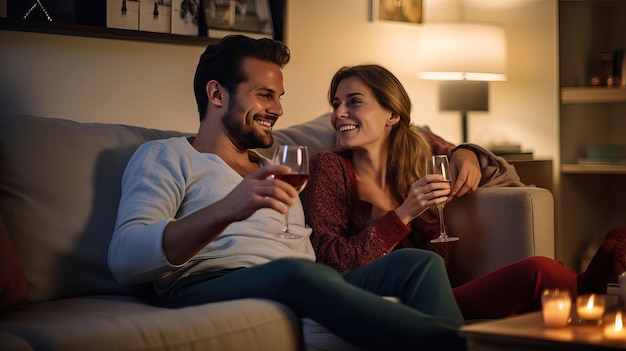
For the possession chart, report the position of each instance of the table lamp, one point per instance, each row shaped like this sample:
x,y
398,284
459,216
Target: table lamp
x,y
468,53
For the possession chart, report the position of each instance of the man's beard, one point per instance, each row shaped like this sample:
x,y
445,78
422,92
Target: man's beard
x,y
244,134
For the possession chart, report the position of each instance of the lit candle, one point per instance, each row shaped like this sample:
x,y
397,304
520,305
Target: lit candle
x,y
590,307
614,328
556,307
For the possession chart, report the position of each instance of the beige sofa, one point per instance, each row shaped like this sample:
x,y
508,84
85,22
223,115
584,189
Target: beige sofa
x,y
59,188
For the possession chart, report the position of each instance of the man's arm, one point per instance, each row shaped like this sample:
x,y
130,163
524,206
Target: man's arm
x,y
185,237
153,235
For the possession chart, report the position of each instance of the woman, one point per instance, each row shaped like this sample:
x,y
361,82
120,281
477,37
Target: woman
x,y
372,196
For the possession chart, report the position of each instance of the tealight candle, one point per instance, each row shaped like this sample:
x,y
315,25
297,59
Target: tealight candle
x,y
614,328
555,307
590,307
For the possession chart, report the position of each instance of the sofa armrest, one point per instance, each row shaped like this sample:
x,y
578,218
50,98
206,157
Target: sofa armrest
x,y
498,225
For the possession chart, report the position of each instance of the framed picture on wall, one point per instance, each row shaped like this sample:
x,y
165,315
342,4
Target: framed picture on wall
x,y
155,16
123,14
254,18
185,17
409,11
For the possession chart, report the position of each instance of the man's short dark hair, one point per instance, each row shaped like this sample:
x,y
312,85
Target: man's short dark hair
x,y
222,62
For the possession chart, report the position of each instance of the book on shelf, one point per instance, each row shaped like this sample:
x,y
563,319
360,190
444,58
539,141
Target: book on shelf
x,y
604,154
601,161
511,152
519,156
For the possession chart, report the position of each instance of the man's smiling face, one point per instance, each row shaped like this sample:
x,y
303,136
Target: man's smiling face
x,y
255,107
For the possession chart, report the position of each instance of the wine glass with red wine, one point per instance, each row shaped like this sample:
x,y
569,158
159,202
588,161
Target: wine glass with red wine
x,y
297,158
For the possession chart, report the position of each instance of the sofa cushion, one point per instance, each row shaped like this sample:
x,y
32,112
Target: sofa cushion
x,y
127,323
59,189
13,285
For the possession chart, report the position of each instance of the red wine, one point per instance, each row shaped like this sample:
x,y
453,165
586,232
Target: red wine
x,y
297,180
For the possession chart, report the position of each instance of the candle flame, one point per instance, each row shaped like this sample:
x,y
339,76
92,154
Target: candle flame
x,y
590,302
618,321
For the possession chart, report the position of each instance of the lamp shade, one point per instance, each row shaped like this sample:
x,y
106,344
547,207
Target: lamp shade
x,y
461,51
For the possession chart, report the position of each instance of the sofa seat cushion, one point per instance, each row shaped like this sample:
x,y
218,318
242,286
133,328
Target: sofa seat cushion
x,y
126,323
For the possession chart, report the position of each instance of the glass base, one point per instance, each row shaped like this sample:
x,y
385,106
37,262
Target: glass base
x,y
287,235
576,321
444,239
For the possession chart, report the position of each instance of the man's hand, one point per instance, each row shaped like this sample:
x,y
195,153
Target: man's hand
x,y
259,190
465,173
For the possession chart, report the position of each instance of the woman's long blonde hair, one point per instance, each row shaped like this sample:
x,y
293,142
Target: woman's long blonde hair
x,y
408,149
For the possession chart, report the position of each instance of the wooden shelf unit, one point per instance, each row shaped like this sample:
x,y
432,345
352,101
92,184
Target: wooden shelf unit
x,y
590,196
82,30
593,95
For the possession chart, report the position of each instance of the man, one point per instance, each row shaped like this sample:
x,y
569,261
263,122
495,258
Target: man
x,y
198,217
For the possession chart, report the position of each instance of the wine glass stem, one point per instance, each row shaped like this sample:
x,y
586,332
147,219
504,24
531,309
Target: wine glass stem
x,y
286,228
442,225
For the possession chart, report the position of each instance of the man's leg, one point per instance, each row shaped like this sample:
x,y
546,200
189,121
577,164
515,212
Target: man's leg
x,y
317,291
417,277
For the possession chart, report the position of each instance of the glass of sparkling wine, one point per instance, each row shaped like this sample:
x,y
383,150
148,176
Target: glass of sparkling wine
x,y
439,165
297,158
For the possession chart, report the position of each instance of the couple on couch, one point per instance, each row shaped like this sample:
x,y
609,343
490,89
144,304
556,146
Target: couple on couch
x,y
197,215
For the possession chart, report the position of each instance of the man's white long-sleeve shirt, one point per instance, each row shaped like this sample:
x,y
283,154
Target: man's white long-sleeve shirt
x,y
168,179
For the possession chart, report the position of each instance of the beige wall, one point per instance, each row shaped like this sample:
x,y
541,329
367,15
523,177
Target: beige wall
x,y
149,84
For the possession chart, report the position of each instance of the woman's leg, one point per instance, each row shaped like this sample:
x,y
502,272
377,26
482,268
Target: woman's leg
x,y
317,291
514,288
607,263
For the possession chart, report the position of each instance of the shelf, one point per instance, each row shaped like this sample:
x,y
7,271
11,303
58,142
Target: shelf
x,y
573,168
589,95
100,32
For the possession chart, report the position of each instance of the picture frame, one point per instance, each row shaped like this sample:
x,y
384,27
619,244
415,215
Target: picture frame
x,y
122,14
407,11
155,16
186,17
254,18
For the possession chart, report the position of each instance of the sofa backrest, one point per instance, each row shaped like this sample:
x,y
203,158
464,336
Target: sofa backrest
x,y
59,192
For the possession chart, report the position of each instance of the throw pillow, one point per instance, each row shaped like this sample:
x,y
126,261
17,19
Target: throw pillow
x,y
13,284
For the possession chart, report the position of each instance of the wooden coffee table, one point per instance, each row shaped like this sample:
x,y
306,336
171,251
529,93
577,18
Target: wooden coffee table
x,y
526,332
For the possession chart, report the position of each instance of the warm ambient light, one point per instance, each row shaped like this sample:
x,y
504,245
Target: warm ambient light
x,y
467,52
461,51
614,328
590,307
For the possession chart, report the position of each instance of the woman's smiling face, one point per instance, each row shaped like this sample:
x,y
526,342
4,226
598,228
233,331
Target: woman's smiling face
x,y
358,119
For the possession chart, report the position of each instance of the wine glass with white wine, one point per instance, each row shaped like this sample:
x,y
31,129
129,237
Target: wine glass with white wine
x,y
439,165
297,158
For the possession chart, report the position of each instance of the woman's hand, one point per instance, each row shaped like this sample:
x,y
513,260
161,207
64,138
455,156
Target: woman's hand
x,y
465,173
426,192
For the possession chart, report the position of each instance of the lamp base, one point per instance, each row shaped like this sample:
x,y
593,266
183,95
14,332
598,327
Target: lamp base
x,y
464,96
464,125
